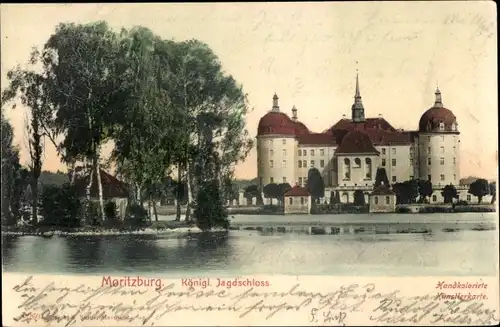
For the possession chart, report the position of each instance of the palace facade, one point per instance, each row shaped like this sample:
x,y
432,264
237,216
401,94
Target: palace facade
x,y
349,152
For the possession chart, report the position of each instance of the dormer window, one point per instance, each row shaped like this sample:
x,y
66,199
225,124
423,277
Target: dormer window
x,y
441,126
454,127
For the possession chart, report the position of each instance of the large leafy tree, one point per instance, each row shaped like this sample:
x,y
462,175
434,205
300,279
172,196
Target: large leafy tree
x,y
82,90
31,88
479,188
272,191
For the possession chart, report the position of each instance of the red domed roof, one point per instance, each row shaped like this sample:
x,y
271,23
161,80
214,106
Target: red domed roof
x,y
430,120
275,122
356,142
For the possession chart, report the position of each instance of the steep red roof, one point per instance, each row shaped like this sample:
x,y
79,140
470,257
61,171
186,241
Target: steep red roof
x,y
370,123
356,142
430,120
317,139
111,186
382,190
297,191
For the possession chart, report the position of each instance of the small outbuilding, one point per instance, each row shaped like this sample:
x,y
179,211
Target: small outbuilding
x,y
297,201
382,199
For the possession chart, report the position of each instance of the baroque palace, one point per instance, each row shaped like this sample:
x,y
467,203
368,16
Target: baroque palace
x,y
349,152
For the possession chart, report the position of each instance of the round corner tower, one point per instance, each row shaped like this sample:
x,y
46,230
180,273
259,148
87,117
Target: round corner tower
x,y
439,145
276,148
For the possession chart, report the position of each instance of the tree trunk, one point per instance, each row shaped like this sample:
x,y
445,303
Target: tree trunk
x,y
479,199
34,202
73,172
177,194
99,185
154,210
87,196
189,191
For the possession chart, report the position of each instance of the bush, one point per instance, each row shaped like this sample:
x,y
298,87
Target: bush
x,y
59,206
137,216
209,210
462,203
435,210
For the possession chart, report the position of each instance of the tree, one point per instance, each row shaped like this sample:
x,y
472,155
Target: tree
x,y
252,191
493,192
81,68
210,211
449,193
425,190
10,171
479,188
315,184
271,191
381,177
359,198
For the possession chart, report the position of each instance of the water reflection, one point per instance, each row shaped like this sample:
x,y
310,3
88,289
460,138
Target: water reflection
x,y
247,252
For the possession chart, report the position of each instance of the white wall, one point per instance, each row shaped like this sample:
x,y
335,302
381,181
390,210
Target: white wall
x,y
441,145
357,173
403,170
270,147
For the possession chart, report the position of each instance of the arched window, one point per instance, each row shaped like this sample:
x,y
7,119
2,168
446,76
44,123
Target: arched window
x,y
357,163
375,199
368,168
347,169
441,126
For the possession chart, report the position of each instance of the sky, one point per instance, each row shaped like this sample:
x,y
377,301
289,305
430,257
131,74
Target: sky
x,y
308,53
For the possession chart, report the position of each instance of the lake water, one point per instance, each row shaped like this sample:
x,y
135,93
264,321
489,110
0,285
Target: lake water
x,y
251,252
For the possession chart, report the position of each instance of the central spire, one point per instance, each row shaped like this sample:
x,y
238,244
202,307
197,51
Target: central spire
x,y
358,111
276,107
439,101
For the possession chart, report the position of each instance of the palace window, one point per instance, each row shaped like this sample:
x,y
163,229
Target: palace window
x,y
271,163
284,141
301,200
283,164
411,161
394,162
312,152
271,180
300,181
284,152
383,151
441,126
304,152
312,163
429,150
375,199
442,177
429,161
300,163
454,160
387,200
284,179
290,200
393,151
322,163
383,162
454,177
469,198
434,198
271,141
271,153
304,163
428,177
322,152
441,161
300,153
394,178
442,149
442,138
